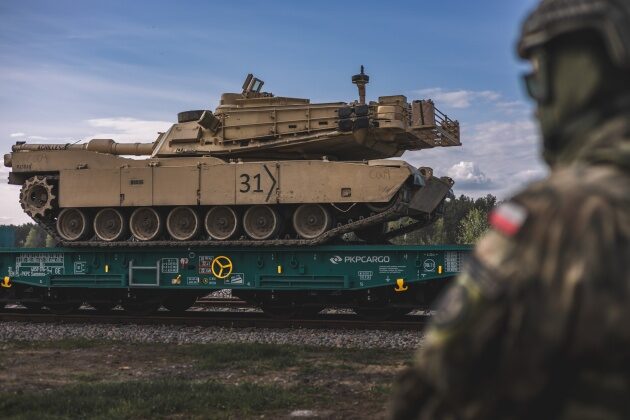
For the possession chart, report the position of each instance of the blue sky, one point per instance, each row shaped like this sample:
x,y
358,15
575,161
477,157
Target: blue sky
x,y
74,70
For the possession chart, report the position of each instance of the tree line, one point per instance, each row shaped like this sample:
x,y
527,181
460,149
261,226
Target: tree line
x,y
27,235
465,220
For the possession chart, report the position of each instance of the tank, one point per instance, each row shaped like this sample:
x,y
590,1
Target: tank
x,y
259,170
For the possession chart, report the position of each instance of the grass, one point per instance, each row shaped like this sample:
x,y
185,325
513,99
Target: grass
x,y
244,356
257,358
194,380
138,400
236,355
64,344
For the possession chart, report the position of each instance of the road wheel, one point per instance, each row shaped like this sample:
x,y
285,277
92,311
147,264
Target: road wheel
x,y
381,207
221,223
72,224
311,220
109,225
145,224
261,222
182,223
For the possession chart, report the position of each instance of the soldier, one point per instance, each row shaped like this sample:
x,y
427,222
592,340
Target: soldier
x,y
538,324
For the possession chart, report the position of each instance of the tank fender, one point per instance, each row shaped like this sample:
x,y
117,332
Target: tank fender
x,y
429,197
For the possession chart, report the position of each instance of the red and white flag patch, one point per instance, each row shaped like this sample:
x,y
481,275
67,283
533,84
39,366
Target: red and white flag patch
x,y
508,218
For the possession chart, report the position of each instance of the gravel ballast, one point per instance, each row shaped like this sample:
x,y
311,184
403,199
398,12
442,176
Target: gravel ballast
x,y
26,331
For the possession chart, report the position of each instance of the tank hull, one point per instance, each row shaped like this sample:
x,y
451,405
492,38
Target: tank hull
x,y
83,184
88,179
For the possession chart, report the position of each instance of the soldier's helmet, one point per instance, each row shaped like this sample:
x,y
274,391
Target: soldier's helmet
x,y
610,19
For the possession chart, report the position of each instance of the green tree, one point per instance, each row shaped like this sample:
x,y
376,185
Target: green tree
x,y
31,239
438,234
50,242
473,226
21,232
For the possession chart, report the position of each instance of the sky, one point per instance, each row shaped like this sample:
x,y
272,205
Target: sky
x,y
71,71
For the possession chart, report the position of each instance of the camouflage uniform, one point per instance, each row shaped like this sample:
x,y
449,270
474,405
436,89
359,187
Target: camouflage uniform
x,y
538,324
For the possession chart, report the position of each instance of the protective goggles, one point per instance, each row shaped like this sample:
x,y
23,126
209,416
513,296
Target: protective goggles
x,y
537,81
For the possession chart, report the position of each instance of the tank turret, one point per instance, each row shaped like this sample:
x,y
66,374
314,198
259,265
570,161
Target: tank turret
x,y
258,125
259,169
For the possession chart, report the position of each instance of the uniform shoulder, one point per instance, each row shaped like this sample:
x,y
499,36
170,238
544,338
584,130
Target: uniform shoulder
x,y
572,192
575,215
581,181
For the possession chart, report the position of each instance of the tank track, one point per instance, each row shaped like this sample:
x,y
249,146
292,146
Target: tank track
x,y
395,211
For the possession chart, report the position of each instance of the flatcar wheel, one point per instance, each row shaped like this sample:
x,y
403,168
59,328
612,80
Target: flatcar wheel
x,y
102,307
182,223
261,222
179,304
63,308
141,308
72,224
145,224
310,312
377,314
311,220
32,306
221,223
280,311
109,225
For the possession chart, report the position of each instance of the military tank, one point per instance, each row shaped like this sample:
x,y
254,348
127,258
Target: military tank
x,y
259,170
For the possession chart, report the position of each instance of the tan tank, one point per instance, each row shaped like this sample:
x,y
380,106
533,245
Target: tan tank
x,y
258,170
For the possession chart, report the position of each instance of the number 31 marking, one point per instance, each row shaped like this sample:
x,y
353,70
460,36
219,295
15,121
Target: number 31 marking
x,y
246,187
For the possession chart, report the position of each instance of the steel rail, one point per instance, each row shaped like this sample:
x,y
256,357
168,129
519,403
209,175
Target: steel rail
x,y
218,319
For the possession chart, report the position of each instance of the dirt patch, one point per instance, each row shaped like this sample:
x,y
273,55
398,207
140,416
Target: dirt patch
x,y
348,383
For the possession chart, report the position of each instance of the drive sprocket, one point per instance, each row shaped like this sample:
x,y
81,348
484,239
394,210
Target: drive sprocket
x,y
36,196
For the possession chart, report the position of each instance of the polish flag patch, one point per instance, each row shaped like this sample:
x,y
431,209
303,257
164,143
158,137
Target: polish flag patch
x,y
508,218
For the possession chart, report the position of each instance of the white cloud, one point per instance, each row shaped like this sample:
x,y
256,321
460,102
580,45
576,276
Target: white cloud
x,y
125,129
509,138
497,157
458,98
530,175
15,135
468,174
511,105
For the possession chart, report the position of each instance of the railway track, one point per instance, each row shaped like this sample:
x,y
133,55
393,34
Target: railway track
x,y
218,319
222,302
